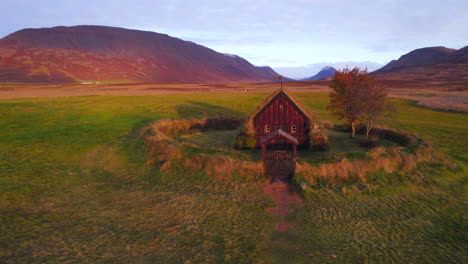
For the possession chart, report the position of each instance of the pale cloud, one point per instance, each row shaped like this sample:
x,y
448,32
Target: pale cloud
x,y
281,34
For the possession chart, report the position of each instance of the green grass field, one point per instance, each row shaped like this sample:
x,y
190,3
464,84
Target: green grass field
x,y
75,188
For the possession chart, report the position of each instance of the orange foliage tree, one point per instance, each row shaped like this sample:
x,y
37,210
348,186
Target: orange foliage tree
x,y
373,97
356,97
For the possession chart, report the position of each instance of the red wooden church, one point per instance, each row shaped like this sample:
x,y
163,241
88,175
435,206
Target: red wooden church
x,y
280,117
280,125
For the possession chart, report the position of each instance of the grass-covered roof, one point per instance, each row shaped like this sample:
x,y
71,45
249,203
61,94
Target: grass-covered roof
x,y
271,97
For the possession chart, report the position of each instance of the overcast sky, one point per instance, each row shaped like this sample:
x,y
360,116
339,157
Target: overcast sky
x,y
295,37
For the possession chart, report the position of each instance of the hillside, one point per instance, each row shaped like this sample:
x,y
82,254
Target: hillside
x,y
326,72
419,57
98,53
434,66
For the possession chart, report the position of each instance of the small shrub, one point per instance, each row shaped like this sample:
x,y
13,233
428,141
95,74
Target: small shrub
x,y
245,141
318,139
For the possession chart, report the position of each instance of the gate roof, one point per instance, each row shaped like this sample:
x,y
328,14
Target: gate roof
x,y
279,133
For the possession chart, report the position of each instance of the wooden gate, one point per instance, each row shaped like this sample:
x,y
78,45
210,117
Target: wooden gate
x,y
279,164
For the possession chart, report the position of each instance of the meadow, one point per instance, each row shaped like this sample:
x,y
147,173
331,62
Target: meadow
x,y
75,188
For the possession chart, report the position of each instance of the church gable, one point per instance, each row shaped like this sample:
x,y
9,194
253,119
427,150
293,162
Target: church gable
x,y
282,101
281,112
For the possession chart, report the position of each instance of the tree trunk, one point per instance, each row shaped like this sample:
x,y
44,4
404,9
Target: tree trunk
x,y
369,126
353,129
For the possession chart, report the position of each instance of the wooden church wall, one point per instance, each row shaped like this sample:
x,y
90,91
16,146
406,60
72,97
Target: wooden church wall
x,y
281,113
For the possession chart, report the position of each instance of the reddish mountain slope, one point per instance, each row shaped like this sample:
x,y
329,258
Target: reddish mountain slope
x,y
97,53
460,55
436,66
419,57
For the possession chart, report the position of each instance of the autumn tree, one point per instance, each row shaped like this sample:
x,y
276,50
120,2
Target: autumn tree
x,y
356,97
373,97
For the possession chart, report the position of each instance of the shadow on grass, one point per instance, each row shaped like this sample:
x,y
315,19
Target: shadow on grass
x,y
196,109
133,145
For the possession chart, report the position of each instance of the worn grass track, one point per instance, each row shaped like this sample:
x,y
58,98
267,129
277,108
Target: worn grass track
x,y
74,187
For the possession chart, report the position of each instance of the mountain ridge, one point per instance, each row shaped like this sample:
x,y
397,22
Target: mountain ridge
x,y
419,57
101,53
434,66
325,72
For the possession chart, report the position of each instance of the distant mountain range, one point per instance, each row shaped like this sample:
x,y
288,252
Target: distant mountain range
x,y
436,66
98,53
326,72
109,54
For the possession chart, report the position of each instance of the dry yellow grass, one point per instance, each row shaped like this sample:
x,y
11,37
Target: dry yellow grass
x,y
219,166
388,161
162,148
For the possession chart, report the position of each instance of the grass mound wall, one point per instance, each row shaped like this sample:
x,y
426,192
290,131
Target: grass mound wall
x,y
405,158
402,138
162,147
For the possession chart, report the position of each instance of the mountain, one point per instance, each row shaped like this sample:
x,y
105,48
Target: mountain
x,y
326,72
99,53
460,55
433,66
419,57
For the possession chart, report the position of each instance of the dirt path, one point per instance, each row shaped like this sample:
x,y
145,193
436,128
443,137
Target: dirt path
x,y
284,196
